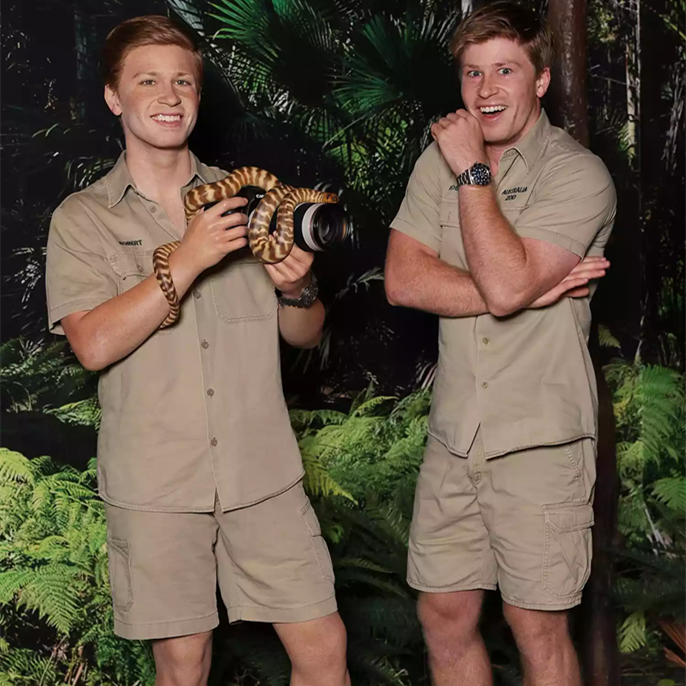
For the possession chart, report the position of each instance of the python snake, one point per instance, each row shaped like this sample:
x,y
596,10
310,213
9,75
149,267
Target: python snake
x,y
268,248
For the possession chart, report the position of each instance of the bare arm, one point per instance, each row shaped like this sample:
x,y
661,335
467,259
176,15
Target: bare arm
x,y
299,327
106,334
510,272
415,277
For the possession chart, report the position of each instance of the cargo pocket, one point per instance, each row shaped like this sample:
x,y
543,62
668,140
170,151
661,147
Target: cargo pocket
x,y
320,548
568,548
119,564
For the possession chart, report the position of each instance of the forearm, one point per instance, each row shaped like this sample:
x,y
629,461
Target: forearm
x,y
497,257
116,328
432,285
302,327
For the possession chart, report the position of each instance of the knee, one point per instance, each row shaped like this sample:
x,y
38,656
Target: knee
x,y
450,615
537,631
183,661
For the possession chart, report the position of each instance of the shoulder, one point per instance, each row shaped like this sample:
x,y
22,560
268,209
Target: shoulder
x,y
565,159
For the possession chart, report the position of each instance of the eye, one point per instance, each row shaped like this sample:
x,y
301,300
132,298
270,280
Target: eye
x,y
472,73
505,71
147,82
184,82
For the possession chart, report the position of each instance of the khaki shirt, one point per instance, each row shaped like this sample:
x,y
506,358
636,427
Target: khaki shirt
x,y
198,409
527,379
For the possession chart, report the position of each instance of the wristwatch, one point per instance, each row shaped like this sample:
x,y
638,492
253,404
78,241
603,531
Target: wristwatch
x,y
478,174
307,297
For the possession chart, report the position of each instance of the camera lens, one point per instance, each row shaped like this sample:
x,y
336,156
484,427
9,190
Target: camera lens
x,y
320,226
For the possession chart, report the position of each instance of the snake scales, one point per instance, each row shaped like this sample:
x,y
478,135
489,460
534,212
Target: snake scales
x,y
269,248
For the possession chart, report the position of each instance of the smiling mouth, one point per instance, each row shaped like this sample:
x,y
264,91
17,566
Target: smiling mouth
x,y
492,109
170,118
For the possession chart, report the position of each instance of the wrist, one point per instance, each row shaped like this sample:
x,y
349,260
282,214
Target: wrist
x,y
295,291
183,267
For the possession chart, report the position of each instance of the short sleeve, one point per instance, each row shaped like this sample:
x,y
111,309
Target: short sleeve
x,y
573,206
78,275
418,216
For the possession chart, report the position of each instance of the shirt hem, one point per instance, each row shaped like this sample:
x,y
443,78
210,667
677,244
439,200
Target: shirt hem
x,y
199,509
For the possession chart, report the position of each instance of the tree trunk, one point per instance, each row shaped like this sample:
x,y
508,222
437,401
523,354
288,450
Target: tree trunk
x,y
568,87
599,654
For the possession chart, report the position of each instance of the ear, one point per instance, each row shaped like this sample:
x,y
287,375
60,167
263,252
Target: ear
x,y
542,82
112,100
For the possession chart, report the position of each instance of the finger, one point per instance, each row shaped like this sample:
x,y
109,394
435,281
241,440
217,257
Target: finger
x,y
225,205
578,292
300,256
573,283
224,223
236,232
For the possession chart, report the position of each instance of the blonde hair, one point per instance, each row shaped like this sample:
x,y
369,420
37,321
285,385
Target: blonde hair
x,y
507,20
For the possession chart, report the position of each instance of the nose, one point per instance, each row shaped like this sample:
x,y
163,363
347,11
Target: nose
x,y
486,87
169,95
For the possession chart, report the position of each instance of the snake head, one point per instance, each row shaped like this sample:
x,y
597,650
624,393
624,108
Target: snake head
x,y
330,197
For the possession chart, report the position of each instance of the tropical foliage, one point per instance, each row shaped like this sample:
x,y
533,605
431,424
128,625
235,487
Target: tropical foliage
x,y
340,92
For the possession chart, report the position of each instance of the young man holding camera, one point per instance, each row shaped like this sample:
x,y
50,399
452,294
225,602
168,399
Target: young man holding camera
x,y
498,215
197,462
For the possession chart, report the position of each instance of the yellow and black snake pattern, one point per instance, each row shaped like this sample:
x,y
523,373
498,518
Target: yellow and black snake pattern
x,y
269,248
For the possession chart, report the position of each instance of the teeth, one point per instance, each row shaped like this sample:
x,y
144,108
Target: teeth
x,y
492,109
167,117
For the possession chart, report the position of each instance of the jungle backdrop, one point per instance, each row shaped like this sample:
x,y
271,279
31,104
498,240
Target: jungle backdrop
x,y
342,92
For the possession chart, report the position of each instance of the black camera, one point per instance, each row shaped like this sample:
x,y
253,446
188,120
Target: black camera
x,y
317,226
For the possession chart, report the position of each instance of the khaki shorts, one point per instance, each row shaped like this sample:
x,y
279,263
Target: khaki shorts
x,y
520,522
270,561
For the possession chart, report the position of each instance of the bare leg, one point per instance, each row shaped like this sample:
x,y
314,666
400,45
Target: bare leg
x,y
548,655
183,661
317,650
457,654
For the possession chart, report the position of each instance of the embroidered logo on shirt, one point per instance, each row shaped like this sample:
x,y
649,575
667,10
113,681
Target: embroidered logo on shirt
x,y
138,242
512,193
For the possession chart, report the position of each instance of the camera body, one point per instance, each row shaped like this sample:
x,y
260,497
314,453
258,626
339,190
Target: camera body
x,y
318,227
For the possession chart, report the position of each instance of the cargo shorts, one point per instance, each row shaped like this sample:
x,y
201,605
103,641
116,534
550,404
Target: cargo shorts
x,y
270,561
521,523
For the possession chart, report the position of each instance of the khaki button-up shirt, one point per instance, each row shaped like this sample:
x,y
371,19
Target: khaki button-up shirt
x,y
526,379
198,409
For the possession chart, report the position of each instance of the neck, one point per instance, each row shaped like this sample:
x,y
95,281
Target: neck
x,y
494,151
157,173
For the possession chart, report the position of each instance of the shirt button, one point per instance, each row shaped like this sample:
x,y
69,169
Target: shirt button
x,y
205,345
140,267
210,392
214,442
196,295
484,384
153,209
484,341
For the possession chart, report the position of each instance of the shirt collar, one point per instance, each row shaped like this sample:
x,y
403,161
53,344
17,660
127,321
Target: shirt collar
x,y
532,145
118,180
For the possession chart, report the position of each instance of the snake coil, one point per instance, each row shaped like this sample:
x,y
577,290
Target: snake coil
x,y
268,248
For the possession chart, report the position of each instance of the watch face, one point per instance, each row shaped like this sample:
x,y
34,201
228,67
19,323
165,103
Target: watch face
x,y
481,174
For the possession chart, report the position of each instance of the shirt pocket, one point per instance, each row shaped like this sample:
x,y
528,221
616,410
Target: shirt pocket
x,y
242,290
131,267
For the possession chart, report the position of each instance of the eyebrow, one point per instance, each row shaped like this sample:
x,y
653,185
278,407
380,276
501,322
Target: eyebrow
x,y
156,73
495,64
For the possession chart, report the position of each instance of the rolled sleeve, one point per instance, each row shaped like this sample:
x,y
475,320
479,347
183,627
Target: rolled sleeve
x,y
575,202
78,274
419,213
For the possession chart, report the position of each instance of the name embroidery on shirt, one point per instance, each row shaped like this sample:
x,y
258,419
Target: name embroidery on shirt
x,y
512,193
138,242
